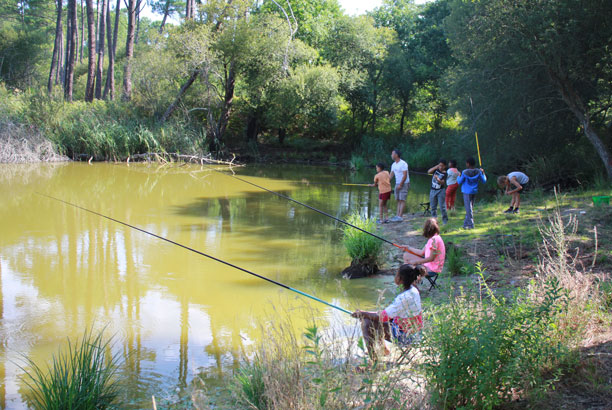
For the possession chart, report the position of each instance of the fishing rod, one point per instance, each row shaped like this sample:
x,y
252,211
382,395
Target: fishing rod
x,y
478,148
282,285
405,249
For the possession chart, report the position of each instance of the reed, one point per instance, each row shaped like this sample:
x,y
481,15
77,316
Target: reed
x,y
81,376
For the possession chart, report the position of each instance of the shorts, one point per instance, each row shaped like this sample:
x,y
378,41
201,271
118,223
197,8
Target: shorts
x,y
401,194
402,338
385,196
525,187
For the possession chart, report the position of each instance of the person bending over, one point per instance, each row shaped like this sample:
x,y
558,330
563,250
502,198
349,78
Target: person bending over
x,y
514,183
401,321
432,256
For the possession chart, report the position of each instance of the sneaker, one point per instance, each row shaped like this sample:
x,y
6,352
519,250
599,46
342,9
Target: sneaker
x,y
378,221
509,210
516,211
396,219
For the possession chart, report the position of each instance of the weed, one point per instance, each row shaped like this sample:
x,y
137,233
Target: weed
x,y
83,376
456,263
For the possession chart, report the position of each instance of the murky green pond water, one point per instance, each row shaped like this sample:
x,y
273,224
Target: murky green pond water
x,y
174,314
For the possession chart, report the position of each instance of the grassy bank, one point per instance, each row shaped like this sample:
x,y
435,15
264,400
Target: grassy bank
x,y
517,330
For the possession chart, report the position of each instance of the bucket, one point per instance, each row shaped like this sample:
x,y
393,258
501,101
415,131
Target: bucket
x,y
601,200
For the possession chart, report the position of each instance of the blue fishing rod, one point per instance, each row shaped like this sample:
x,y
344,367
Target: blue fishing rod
x,y
282,285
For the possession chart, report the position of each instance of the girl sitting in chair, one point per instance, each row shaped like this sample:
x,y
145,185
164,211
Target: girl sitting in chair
x,y
432,256
402,320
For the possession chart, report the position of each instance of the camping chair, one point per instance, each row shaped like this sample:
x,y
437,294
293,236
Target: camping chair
x,y
426,210
432,277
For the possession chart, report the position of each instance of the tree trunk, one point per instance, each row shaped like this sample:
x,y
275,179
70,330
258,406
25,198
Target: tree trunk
x,y
252,127
67,47
166,12
71,40
227,101
91,51
137,31
82,33
109,89
100,63
109,41
188,10
577,107
59,73
404,109
57,45
282,134
182,92
129,51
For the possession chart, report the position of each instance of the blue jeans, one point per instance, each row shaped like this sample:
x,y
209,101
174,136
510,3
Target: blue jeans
x,y
438,196
468,201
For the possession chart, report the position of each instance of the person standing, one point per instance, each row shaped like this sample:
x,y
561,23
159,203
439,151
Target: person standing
x,y
437,194
383,182
451,184
399,170
469,180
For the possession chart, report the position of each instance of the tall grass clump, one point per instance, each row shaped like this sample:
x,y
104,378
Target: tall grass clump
x,y
82,376
456,263
364,249
317,370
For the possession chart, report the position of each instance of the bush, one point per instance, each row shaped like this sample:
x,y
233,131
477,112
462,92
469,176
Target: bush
x,y
81,377
481,352
455,261
361,247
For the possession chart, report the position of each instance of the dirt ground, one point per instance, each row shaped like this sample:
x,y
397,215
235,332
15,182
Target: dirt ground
x,y
508,250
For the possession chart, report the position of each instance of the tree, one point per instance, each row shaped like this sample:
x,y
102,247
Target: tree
x,y
539,58
57,46
100,48
129,50
91,52
166,8
109,87
71,43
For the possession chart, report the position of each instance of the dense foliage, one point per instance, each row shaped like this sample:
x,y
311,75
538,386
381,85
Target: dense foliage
x,y
532,77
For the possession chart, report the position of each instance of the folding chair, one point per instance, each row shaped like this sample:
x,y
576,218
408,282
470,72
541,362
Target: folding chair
x,y
426,210
432,277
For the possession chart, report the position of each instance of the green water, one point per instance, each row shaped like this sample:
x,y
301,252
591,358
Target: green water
x,y
174,314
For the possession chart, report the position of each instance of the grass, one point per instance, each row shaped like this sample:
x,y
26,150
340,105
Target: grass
x,y
80,377
361,247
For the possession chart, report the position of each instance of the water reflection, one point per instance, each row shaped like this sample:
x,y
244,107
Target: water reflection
x,y
174,313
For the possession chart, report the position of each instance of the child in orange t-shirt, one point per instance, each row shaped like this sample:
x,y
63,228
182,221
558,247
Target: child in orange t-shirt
x,y
383,181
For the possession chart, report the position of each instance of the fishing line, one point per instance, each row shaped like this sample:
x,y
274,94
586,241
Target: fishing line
x,y
321,212
282,285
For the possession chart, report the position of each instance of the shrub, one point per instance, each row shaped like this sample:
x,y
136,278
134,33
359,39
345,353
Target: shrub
x,y
361,246
455,261
81,377
481,351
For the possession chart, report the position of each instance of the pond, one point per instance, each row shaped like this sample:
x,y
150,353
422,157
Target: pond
x,y
174,314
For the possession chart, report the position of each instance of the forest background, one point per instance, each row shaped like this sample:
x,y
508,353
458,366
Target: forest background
x,y
301,80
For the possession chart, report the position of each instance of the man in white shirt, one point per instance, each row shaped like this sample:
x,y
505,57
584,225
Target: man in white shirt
x,y
399,170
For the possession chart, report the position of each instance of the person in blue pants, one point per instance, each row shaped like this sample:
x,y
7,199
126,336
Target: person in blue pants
x,y
469,180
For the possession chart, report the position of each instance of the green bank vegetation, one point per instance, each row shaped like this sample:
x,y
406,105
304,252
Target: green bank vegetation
x,y
82,375
303,80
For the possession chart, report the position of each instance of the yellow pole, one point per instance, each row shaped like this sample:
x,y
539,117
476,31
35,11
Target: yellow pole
x,y
478,148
